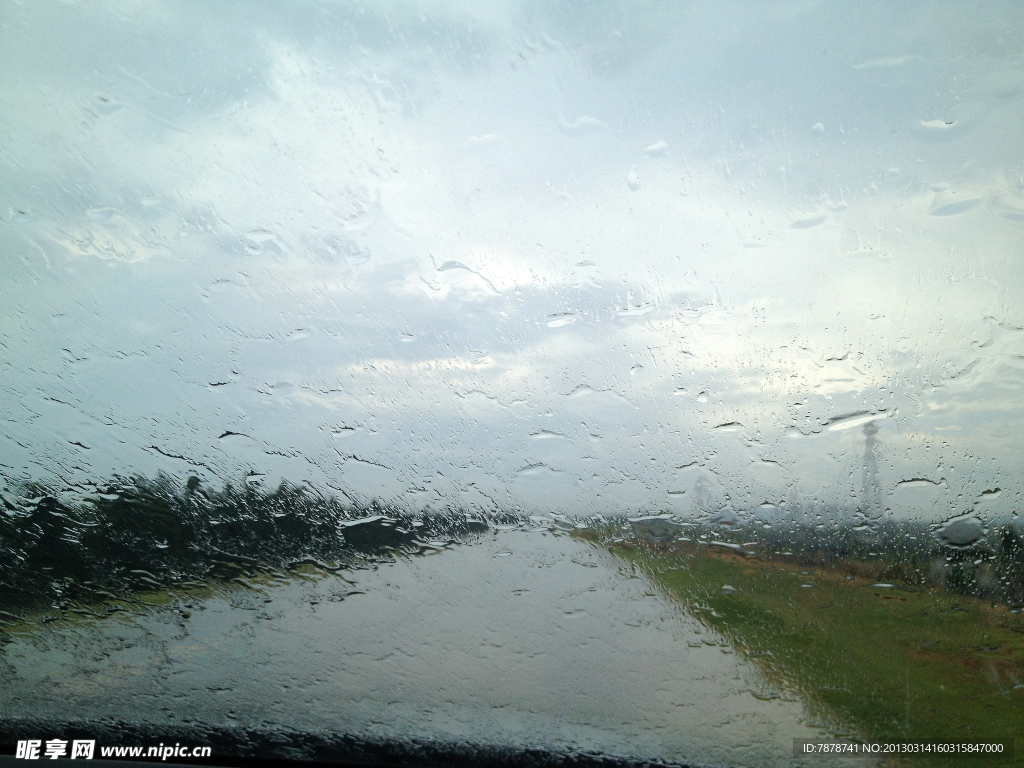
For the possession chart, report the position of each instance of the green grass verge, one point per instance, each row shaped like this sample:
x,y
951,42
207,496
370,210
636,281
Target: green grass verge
x,y
884,663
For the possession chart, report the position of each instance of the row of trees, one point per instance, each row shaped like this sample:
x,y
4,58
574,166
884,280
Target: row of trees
x,y
138,533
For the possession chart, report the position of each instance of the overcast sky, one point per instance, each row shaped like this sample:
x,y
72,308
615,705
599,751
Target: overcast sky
x,y
568,256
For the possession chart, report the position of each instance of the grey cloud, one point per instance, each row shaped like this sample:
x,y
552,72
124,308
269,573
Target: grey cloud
x,y
379,248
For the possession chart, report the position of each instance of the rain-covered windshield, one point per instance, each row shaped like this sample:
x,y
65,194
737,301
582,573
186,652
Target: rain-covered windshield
x,y
523,381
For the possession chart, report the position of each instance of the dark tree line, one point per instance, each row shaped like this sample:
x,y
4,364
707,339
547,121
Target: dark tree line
x,y
137,533
142,533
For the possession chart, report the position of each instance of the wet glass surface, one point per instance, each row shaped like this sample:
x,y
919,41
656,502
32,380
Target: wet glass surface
x,y
710,316
521,638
